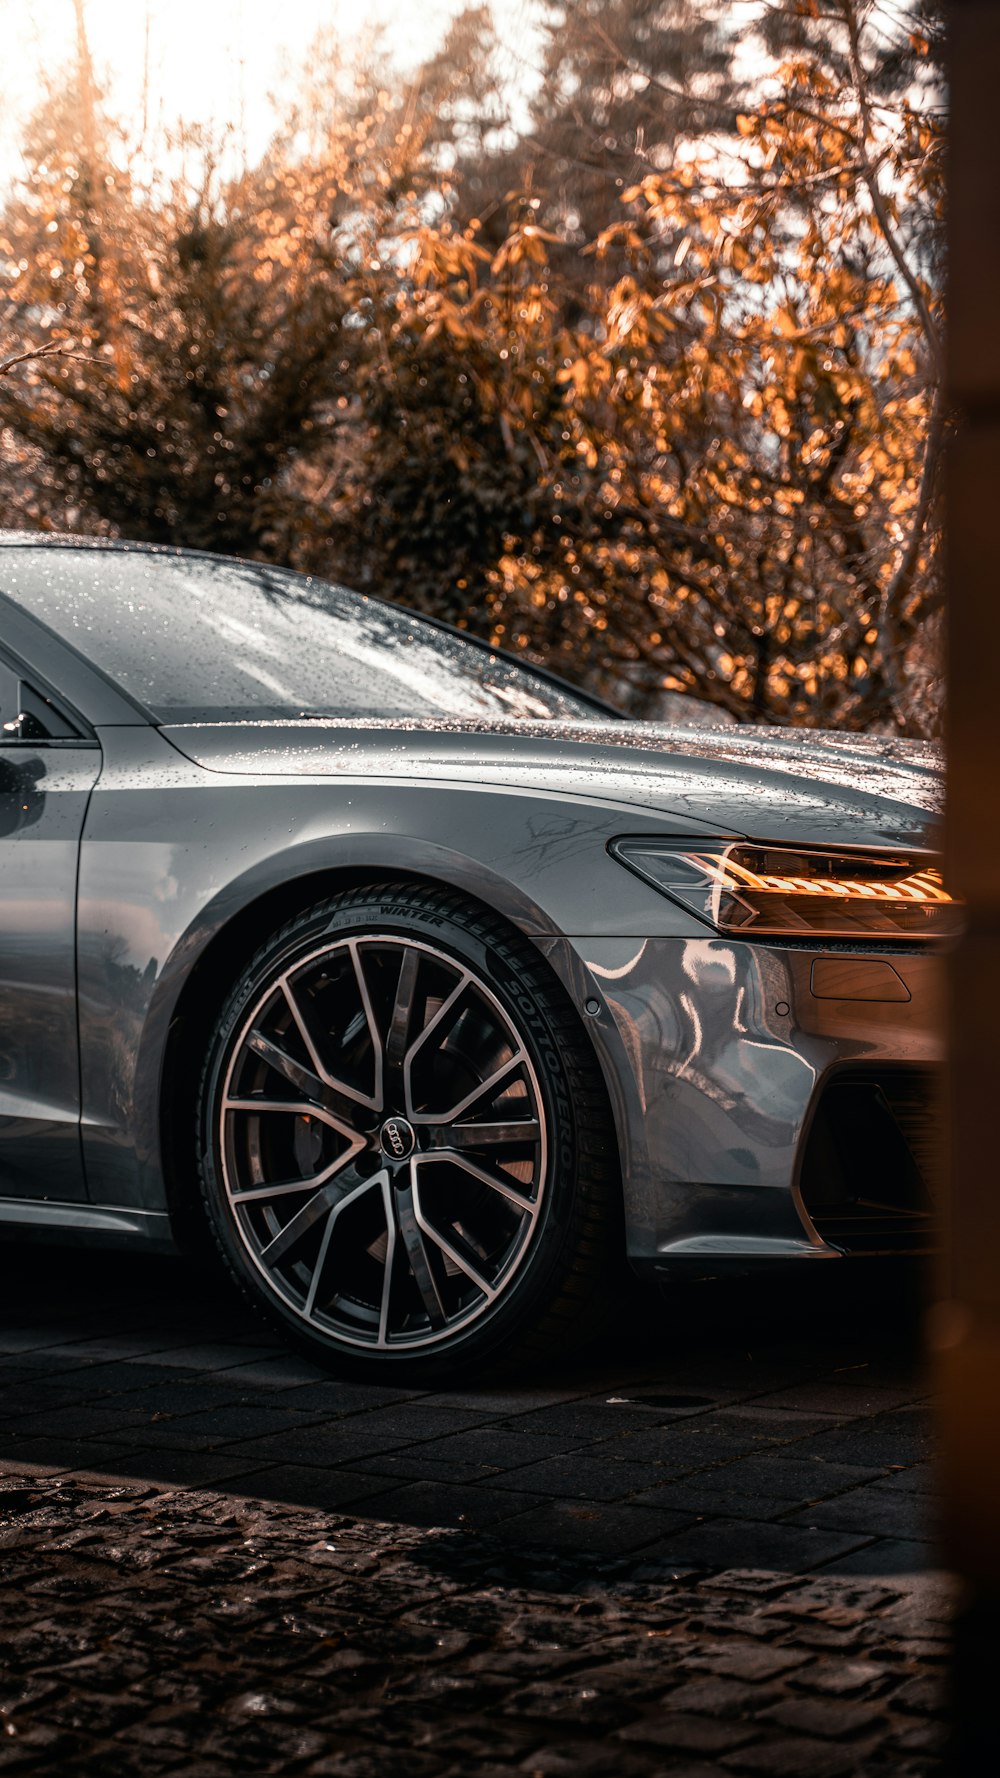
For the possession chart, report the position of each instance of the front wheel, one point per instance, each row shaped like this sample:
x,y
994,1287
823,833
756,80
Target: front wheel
x,y
406,1150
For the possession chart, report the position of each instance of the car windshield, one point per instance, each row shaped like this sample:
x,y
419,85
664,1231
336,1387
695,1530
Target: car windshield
x,y
203,639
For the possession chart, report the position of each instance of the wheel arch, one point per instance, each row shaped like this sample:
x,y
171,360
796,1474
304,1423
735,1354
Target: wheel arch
x,y
208,981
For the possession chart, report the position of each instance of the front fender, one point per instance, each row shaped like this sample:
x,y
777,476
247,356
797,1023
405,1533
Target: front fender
x,y
172,854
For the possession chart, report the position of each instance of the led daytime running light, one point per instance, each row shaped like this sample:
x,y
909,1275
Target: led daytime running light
x,y
921,886
757,890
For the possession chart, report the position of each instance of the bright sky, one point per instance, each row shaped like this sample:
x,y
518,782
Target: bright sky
x,y
217,60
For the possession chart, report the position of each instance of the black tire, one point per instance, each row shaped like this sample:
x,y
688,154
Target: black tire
x,y
506,1249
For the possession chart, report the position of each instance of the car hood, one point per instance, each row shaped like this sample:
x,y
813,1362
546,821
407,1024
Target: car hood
x,y
796,785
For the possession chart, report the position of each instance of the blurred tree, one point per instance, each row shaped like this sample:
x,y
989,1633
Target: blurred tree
x,y
623,83
217,303
698,452
210,341
714,468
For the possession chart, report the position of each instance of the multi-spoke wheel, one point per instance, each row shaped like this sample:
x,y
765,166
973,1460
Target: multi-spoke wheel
x,y
405,1144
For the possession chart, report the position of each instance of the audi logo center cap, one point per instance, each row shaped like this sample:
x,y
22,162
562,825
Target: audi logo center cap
x,y
396,1139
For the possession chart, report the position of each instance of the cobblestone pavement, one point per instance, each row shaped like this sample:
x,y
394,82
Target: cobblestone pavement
x,y
708,1550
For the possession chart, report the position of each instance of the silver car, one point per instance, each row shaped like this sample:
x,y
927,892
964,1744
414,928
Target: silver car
x,y
429,988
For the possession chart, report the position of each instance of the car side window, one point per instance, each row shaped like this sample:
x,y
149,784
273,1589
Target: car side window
x,y
28,714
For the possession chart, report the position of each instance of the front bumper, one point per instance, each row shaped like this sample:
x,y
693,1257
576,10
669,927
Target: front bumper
x,y
763,1091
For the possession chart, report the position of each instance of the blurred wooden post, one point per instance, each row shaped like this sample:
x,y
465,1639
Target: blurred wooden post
x,y
966,1323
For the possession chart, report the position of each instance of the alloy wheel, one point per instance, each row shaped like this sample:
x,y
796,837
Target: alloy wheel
x,y
382,1136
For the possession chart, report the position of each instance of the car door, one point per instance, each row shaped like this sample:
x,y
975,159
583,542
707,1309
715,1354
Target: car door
x,y
49,763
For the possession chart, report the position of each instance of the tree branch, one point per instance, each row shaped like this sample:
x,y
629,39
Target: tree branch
x,y
54,349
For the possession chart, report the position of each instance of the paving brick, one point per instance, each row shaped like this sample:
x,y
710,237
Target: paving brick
x,y
715,1696
434,1503
284,1372
920,1478
900,1438
842,1678
179,1469
788,1549
341,1443
407,1420
787,1477
672,1453
58,1453
140,1419
585,1422
493,1448
495,1403
752,1661
887,1557
211,1357
122,1375
605,1526
702,1503
19,1405
821,1600
880,1512
690,1734
827,1397
177,1393
922,1695
772,1427
833,1718
560,1761
794,1757
297,1485
568,1700
925,1738
414,1465
334,1398
758,1584
580,1476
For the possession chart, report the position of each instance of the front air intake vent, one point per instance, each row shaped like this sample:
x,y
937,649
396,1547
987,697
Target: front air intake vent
x,y
871,1163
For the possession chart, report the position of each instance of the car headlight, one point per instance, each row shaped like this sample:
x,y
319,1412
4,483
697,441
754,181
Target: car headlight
x,y
798,891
